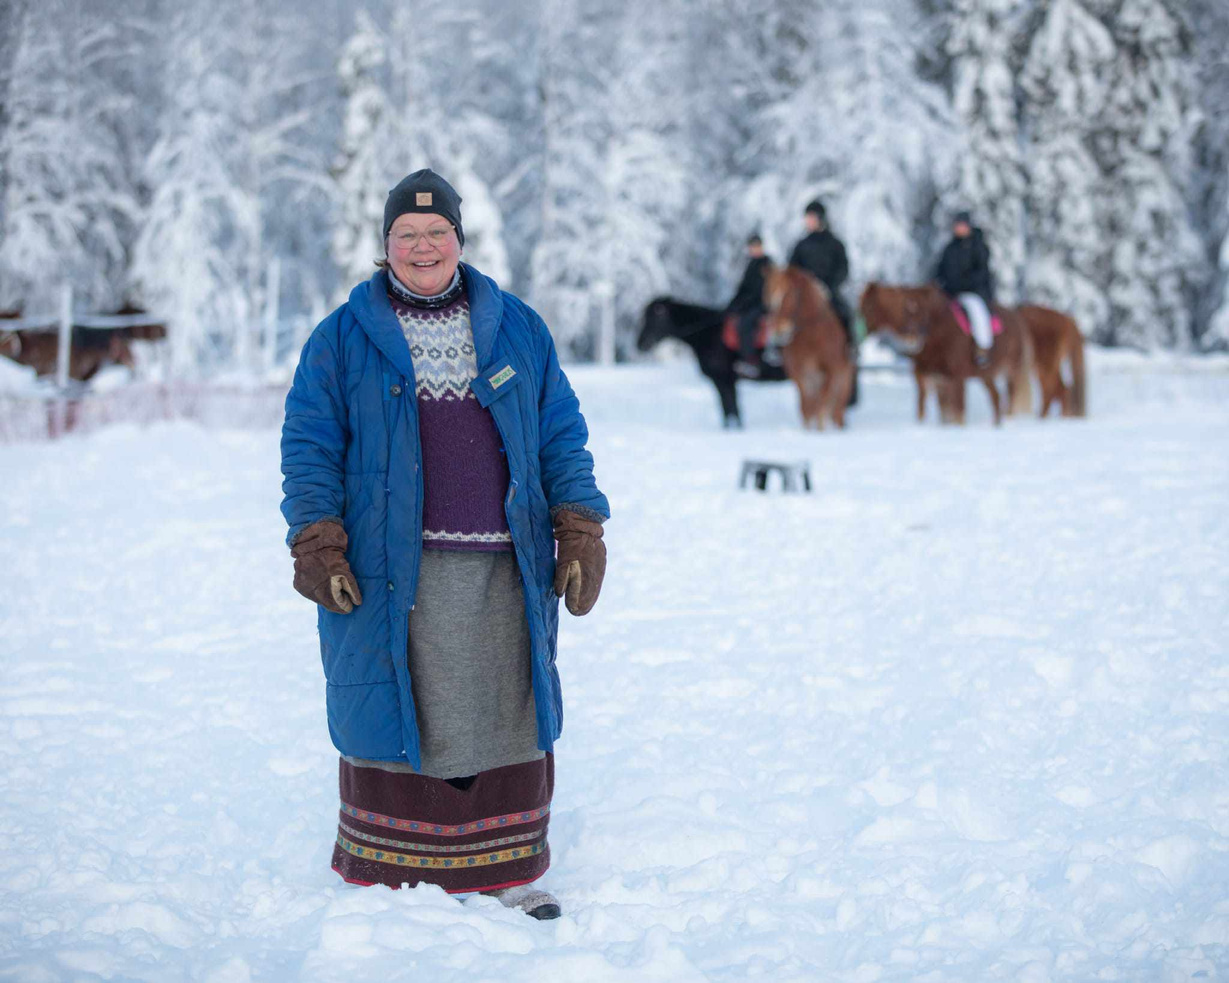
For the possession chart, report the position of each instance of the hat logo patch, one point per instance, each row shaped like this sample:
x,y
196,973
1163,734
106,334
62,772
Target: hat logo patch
x,y
422,198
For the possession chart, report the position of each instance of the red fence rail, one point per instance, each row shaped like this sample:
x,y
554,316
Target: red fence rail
x,y
31,417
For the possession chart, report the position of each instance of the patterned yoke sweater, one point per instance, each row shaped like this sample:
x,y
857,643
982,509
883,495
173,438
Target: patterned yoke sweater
x,y
465,472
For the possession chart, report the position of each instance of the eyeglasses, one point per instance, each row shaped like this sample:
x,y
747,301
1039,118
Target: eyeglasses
x,y
408,240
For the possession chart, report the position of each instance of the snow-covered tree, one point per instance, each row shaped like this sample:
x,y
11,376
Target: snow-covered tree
x,y
366,168
991,177
850,123
68,201
567,258
1110,121
1065,79
1156,265
191,259
1210,190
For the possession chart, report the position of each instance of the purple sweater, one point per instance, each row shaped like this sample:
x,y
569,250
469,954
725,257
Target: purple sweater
x,y
464,470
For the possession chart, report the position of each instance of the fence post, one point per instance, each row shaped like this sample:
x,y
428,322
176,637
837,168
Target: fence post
x,y
64,349
604,292
273,289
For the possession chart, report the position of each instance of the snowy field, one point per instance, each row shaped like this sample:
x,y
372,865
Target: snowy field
x,y
961,714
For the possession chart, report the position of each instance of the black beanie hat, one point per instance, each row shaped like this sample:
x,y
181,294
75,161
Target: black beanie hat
x,y
424,191
962,216
817,207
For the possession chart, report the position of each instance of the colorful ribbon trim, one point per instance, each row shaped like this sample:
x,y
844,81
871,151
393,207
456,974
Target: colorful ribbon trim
x,y
417,826
415,860
436,848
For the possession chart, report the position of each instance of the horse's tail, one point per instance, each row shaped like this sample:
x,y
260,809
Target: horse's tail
x,y
1079,383
1021,373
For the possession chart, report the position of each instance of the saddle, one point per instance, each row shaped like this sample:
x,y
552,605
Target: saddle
x,y
962,318
729,333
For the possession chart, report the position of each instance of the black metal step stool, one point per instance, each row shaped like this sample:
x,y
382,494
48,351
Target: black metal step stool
x,y
794,477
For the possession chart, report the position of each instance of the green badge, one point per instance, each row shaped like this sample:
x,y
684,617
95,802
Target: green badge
x,y
502,376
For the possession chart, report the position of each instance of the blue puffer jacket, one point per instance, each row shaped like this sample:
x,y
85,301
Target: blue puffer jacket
x,y
350,450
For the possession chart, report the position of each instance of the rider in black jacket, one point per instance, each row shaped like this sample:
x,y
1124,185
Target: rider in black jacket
x,y
748,302
964,267
823,254
964,273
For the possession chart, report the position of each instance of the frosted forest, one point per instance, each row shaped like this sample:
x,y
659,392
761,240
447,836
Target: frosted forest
x,y
225,163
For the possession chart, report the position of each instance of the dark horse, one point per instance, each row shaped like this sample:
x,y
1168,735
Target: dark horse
x,y
701,328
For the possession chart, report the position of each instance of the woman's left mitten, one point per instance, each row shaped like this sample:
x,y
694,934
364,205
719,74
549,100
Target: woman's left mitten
x,y
580,561
321,573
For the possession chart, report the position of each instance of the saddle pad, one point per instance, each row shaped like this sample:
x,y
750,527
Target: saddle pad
x,y
729,333
958,312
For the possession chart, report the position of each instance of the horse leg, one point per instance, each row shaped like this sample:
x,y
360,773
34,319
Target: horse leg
x,y
846,378
921,393
1048,393
729,402
955,397
993,390
804,401
945,390
822,405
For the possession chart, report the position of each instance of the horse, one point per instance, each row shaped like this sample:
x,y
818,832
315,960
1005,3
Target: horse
x,y
922,318
92,348
701,328
816,355
1056,336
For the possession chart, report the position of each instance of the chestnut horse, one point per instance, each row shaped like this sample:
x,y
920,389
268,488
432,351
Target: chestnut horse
x,y
91,349
1055,337
922,318
816,355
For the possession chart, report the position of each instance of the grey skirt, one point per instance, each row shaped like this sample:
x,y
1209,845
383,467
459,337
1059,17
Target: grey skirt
x,y
469,653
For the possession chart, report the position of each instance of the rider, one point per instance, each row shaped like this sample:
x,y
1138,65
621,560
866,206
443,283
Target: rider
x,y
821,253
748,304
964,273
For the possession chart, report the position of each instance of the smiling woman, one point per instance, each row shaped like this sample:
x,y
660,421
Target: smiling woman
x,y
424,252
437,534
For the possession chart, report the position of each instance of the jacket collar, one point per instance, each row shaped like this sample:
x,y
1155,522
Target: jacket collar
x,y
486,311
371,307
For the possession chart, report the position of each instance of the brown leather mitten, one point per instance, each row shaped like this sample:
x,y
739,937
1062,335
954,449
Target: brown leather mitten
x,y
580,561
321,573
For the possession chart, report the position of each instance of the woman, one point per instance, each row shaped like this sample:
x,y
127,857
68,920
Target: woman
x,y
426,528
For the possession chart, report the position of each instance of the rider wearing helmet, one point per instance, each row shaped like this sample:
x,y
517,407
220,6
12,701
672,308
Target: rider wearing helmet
x,y
963,273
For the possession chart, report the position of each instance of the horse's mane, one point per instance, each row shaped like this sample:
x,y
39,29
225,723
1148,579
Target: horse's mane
x,y
810,281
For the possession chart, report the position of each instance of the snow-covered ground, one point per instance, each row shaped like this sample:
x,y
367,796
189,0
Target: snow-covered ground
x,y
960,714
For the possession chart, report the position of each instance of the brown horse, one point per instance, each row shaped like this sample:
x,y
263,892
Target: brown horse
x,y
921,317
91,349
816,355
1055,337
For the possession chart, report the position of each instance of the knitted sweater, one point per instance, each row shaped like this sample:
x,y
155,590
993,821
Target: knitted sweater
x,y
465,472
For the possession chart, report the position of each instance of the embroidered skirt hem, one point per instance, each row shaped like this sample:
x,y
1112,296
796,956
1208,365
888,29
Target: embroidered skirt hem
x,y
399,828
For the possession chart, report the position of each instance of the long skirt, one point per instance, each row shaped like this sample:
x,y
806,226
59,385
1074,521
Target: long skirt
x,y
398,827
